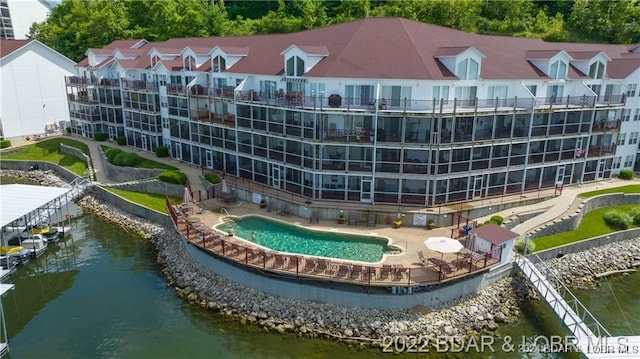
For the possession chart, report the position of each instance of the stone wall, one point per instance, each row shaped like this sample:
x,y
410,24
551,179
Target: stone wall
x,y
18,165
572,221
152,186
131,207
81,155
126,174
587,244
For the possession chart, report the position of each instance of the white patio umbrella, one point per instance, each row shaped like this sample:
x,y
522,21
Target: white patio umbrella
x,y
443,245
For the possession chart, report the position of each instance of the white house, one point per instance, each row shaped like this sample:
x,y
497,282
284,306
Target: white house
x,y
491,236
32,87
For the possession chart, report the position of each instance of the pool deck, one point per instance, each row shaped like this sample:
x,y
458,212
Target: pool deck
x,y
402,269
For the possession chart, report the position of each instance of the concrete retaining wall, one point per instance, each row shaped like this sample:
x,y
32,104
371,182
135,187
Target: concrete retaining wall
x,y
350,295
131,207
572,221
153,186
126,174
81,155
587,244
18,165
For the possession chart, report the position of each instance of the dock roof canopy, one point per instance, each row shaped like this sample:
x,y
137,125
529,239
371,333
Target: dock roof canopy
x,y
17,200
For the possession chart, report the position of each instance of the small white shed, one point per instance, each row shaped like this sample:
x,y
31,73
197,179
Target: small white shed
x,y
491,237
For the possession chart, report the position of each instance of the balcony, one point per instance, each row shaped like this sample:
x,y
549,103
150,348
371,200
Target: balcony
x,y
81,115
79,81
611,100
597,151
176,89
82,99
606,125
203,115
109,82
212,92
138,85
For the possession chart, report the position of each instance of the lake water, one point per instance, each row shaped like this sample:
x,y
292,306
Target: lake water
x,y
100,294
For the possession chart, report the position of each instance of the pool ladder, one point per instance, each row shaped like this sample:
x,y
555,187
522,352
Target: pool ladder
x,y
224,210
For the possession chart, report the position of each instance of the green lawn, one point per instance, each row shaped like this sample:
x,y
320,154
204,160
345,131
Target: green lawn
x,y
154,201
147,163
632,188
49,150
592,225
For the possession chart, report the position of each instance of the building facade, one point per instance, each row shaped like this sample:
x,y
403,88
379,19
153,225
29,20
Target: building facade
x,y
17,16
380,110
32,92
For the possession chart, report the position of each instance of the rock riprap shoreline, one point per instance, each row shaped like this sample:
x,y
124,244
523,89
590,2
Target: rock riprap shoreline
x,y
43,178
475,315
580,270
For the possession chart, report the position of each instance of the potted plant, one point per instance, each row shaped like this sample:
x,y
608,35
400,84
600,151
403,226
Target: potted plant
x,y
341,218
263,203
431,224
397,223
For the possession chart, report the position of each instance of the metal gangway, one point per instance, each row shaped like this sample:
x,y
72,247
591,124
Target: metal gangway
x,y
589,335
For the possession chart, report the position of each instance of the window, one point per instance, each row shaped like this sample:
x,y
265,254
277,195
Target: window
x,y
596,70
628,161
626,115
533,89
616,163
295,66
611,92
636,115
468,69
317,89
154,60
466,95
162,79
622,138
441,93
558,70
596,89
396,95
358,94
268,89
499,92
219,64
189,63
633,138
554,93
631,90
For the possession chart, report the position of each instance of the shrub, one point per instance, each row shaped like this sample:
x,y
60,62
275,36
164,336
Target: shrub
x,y
99,136
625,174
162,151
617,219
111,153
519,246
121,140
489,221
175,177
127,159
68,129
212,178
5,143
497,219
634,213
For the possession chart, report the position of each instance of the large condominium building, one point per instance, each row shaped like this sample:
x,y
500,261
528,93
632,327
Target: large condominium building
x,y
17,16
380,110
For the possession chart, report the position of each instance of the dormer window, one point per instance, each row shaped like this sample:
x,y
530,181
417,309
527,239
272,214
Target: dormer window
x,y
558,70
154,60
295,66
219,64
189,63
468,69
596,70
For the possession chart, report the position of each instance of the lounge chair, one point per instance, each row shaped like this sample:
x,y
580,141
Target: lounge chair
x,y
280,261
353,219
314,217
371,220
422,258
385,271
356,271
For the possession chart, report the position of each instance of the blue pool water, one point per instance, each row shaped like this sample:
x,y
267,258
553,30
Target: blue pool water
x,y
283,237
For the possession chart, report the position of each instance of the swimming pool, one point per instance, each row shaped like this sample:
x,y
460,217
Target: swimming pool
x,y
283,237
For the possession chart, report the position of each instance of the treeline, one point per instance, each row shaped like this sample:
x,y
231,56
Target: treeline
x,y
75,25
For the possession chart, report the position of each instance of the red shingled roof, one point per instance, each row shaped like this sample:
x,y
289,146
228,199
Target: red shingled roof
x,y
495,234
393,48
9,46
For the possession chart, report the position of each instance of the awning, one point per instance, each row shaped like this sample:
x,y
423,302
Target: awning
x,y
17,200
298,80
